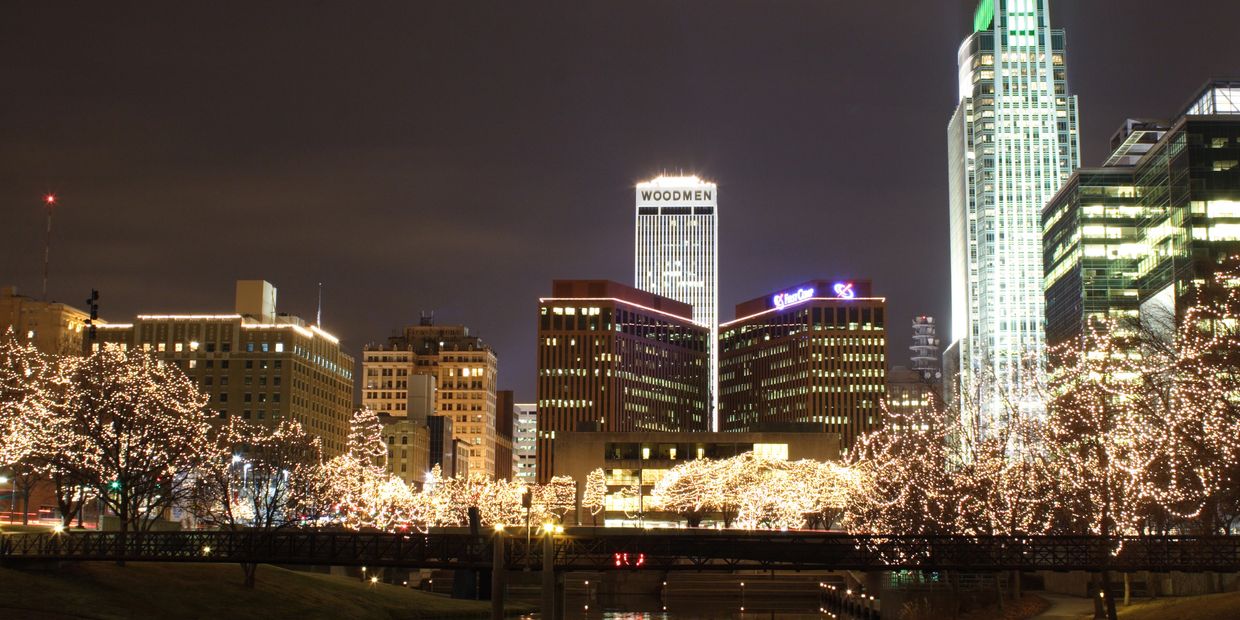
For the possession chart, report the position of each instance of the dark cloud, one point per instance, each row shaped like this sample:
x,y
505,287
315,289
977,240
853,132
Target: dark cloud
x,y
457,156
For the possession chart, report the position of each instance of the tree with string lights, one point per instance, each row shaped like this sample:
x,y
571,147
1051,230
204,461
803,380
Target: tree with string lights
x,y
132,429
28,391
364,494
905,477
594,496
257,478
554,500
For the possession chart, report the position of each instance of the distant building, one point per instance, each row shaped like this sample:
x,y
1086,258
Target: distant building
x,y
254,363
525,443
465,370
53,328
810,355
408,444
461,457
1132,240
505,410
443,448
618,359
677,250
926,359
909,392
628,458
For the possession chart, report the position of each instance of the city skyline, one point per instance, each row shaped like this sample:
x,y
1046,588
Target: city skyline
x,y
125,178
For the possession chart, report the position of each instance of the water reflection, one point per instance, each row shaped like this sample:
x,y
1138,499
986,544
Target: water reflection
x,y
636,607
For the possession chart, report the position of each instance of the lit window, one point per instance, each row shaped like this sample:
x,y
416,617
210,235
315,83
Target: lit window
x,y
771,451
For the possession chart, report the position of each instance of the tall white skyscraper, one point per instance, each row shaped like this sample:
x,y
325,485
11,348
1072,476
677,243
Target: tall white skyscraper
x,y
1011,143
677,252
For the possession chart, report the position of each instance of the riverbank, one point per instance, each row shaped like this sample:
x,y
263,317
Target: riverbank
x,y
104,591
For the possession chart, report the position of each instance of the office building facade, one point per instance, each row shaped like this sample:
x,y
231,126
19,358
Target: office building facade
x,y
408,444
677,249
1190,191
525,443
465,371
53,328
255,364
1092,246
813,356
614,358
1133,240
505,410
1012,142
910,396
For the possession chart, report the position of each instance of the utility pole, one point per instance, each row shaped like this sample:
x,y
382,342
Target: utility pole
x,y
49,201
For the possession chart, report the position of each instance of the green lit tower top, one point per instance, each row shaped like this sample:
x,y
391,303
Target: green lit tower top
x,y
1011,142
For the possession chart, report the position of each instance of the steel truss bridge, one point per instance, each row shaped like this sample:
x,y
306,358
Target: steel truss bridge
x,y
599,549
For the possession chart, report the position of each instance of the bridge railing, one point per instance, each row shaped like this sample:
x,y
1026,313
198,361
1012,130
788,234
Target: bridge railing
x,y
599,549
285,547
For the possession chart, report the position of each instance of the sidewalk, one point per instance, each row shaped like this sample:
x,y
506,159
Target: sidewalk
x,y
1065,607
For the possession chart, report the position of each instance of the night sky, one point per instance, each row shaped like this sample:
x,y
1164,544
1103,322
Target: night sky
x,y
457,156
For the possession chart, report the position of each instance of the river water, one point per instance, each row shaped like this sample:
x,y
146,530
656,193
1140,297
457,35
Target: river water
x,y
651,608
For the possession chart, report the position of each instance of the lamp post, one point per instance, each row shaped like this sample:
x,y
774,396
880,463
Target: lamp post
x,y
12,496
528,500
550,586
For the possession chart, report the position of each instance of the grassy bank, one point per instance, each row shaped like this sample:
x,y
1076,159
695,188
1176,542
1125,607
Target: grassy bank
x,y
100,590
1207,607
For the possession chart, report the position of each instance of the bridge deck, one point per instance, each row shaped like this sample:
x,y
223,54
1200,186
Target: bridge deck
x,y
599,549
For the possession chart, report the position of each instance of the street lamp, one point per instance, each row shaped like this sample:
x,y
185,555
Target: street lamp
x,y
12,496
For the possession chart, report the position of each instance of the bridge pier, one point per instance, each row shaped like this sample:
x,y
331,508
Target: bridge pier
x,y
552,583
499,576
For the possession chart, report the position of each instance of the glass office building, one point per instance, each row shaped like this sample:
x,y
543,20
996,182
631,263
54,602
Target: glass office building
x,y
1190,184
1134,239
1012,143
1092,245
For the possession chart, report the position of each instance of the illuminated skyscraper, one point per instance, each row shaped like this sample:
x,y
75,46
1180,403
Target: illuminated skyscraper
x,y
811,357
1011,144
677,252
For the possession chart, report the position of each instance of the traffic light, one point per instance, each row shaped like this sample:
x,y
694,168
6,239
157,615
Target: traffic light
x,y
115,485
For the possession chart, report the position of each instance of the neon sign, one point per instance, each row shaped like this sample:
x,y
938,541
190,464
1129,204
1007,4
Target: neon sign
x,y
844,290
783,300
